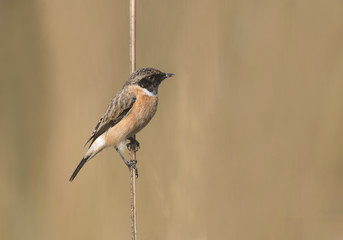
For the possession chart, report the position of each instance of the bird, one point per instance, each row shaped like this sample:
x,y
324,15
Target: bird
x,y
130,110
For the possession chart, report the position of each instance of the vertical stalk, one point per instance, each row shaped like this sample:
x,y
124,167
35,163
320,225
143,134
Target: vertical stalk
x,y
132,35
132,69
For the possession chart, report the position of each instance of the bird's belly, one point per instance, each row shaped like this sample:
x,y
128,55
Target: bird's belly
x,y
139,116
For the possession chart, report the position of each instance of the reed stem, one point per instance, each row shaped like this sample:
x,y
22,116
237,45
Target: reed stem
x,y
132,170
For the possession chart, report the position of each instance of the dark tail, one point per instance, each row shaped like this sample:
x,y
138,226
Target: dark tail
x,y
78,168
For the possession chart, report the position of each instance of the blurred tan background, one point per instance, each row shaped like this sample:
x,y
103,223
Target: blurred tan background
x,y
246,143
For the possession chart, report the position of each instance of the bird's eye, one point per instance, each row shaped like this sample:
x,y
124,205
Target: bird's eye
x,y
150,78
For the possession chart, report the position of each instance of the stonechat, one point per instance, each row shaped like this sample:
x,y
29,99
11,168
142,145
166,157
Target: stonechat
x,y
130,111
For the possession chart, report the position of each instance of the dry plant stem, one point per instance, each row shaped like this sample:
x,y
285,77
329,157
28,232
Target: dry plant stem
x,y
132,69
132,35
133,199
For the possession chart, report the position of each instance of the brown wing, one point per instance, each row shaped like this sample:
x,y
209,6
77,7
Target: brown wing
x,y
119,107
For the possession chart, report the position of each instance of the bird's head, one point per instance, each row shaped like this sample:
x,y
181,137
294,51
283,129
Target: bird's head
x,y
148,78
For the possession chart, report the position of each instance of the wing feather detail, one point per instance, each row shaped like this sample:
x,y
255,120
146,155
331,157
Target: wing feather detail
x,y
118,108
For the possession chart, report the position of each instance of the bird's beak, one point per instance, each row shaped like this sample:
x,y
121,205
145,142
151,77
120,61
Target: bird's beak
x,y
169,75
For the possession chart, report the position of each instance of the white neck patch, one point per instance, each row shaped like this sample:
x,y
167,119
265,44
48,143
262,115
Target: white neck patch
x,y
148,93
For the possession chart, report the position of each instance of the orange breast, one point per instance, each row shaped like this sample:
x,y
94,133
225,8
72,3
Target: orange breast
x,y
140,115
142,112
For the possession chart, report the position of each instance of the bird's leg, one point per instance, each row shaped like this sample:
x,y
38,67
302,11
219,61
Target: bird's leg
x,y
129,164
133,145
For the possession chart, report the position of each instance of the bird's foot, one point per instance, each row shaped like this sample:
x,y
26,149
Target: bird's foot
x,y
133,145
132,164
